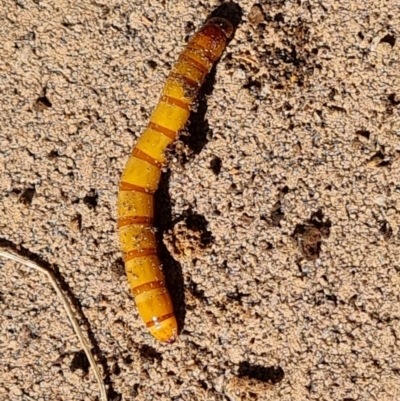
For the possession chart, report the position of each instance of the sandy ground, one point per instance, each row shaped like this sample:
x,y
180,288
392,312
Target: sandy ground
x,y
279,212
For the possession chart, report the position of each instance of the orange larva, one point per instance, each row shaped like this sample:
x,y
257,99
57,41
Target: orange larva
x,y
142,173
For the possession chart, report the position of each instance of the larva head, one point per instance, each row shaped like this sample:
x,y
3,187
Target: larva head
x,y
210,40
224,25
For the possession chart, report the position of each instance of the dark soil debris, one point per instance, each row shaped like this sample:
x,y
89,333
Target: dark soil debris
x,y
118,268
42,103
378,160
256,15
216,165
364,133
272,374
91,199
27,196
389,39
80,361
386,230
188,238
309,235
149,353
277,214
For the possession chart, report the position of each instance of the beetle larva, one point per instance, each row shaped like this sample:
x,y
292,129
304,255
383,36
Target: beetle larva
x,y
142,173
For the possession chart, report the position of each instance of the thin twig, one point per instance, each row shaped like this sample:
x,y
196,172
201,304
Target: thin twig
x,y
69,312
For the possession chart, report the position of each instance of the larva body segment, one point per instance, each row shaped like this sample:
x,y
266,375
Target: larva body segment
x,y
142,173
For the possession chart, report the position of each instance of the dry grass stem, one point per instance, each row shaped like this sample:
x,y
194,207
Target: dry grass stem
x,y
69,312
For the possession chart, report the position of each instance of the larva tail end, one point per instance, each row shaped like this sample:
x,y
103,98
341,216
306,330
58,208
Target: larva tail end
x,y
223,24
165,331
172,339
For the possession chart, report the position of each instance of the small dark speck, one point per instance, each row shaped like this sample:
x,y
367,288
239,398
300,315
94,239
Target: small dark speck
x,y
80,361
386,230
272,374
285,190
77,221
128,360
277,214
118,267
135,389
91,199
279,18
16,191
189,27
389,39
116,369
112,395
253,86
149,353
42,103
143,111
28,195
152,64
53,154
216,165
30,36
393,99
203,384
364,133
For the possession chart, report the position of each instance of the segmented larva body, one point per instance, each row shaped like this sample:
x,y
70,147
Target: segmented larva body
x,y
142,173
